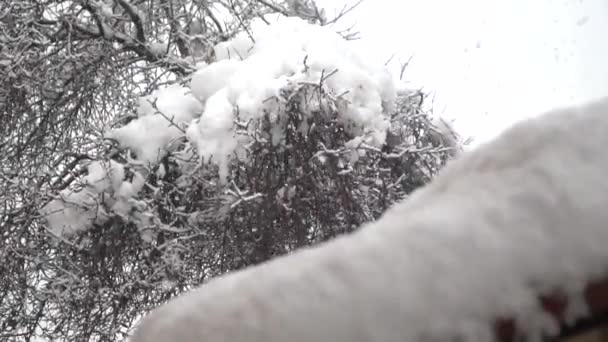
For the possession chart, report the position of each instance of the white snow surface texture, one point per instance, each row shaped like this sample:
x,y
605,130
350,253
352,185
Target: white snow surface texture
x,y
520,216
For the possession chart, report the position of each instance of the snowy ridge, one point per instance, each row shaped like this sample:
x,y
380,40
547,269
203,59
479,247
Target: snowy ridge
x,y
520,216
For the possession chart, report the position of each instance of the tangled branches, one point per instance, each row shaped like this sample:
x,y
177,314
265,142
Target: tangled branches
x,y
72,69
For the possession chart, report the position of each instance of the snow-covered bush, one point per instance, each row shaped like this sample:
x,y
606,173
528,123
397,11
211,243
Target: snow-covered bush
x,y
292,93
248,85
287,138
522,217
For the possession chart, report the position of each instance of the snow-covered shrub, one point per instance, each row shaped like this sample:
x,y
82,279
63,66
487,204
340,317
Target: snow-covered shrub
x,y
521,217
102,192
277,144
286,106
77,68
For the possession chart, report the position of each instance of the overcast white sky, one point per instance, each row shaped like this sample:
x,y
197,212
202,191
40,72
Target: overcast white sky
x,y
492,62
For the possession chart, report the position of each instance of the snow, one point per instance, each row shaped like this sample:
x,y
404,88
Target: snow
x,y
73,212
249,76
244,84
76,210
106,9
158,49
212,78
519,217
150,135
213,135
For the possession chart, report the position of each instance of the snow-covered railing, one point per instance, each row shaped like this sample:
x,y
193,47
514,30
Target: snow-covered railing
x,y
519,219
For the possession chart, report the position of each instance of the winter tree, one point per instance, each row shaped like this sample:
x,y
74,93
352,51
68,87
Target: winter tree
x,y
149,146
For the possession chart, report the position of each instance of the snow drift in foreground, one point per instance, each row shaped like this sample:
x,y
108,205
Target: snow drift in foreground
x,y
520,216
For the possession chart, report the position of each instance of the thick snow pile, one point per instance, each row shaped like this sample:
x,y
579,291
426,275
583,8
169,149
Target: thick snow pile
x,y
522,216
102,189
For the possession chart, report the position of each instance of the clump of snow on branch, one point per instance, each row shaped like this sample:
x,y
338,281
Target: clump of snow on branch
x,y
245,83
161,120
103,189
